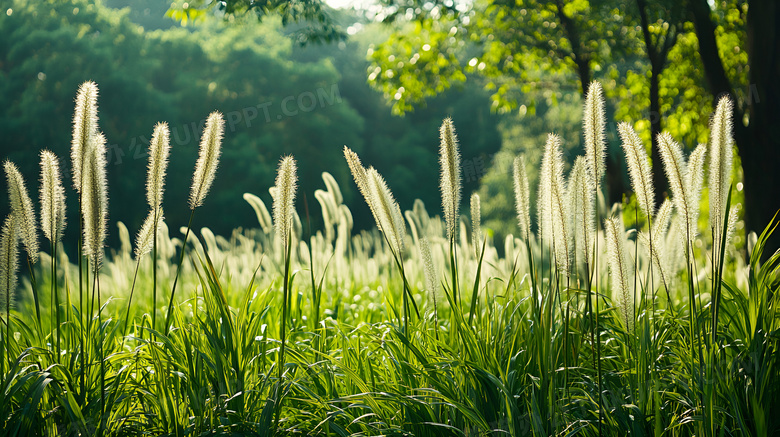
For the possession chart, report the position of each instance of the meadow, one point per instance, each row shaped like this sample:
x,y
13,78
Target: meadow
x,y
424,326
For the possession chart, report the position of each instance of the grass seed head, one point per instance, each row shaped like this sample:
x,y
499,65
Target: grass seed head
x,y
208,159
52,197
449,161
85,128
22,210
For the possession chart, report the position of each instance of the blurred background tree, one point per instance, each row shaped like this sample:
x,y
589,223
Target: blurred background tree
x,y
304,78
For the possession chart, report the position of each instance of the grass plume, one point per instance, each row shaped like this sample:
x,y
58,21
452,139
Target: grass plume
x,y
208,159
159,149
449,161
619,268
522,197
85,129
721,157
94,201
553,210
284,201
593,124
22,210
52,197
638,168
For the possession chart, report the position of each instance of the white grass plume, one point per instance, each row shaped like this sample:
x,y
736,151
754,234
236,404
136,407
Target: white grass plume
x,y
85,128
284,201
695,181
159,150
208,159
52,198
94,200
144,242
9,263
582,221
619,268
476,223
431,277
553,208
263,217
655,247
721,156
359,174
22,210
522,197
638,168
677,172
449,161
593,124
390,220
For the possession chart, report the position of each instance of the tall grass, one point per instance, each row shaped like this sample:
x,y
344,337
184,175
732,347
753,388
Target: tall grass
x,y
380,340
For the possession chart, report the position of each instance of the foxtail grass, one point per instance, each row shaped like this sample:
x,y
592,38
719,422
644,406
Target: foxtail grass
x,y
9,263
24,221
159,150
284,209
203,177
53,222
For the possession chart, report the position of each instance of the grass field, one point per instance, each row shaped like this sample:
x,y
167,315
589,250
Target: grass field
x,y
578,326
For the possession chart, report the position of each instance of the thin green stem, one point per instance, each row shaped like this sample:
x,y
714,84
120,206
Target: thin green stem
x,y
178,272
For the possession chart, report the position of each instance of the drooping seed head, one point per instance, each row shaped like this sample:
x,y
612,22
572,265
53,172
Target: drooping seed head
x,y
159,149
677,175
22,210
593,123
522,197
284,201
360,176
208,159
449,161
263,217
144,241
390,220
638,168
85,128
94,200
52,198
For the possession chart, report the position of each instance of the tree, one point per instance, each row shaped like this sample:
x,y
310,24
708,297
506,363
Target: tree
x,y
312,18
756,115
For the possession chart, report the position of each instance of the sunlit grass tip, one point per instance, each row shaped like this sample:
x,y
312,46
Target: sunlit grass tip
x,y
52,197
553,214
85,128
522,197
208,159
720,162
582,220
677,173
284,201
638,168
22,210
9,263
449,161
619,268
593,125
389,218
144,241
159,150
476,223
94,200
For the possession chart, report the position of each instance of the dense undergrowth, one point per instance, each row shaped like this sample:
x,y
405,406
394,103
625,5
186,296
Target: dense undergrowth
x,y
418,328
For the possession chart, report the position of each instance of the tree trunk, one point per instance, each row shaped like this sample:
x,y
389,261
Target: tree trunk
x,y
659,178
758,142
761,150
